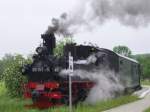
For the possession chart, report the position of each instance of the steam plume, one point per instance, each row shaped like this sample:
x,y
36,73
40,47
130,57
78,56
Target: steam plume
x,y
89,13
107,83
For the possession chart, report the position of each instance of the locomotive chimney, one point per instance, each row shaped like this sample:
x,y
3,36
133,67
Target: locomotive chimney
x,y
49,41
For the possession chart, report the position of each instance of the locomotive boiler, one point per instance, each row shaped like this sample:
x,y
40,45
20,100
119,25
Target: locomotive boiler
x,y
47,87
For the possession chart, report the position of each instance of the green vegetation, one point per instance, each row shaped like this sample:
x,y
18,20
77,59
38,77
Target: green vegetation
x,y
144,60
101,106
10,73
123,50
8,104
13,77
3,64
147,110
145,82
60,45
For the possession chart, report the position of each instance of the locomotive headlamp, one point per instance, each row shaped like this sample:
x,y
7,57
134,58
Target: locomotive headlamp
x,y
39,50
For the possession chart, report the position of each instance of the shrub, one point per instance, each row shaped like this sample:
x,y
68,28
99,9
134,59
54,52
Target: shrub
x,y
58,51
145,65
13,77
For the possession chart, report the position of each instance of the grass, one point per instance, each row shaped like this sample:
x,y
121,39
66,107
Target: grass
x,y
8,104
145,82
101,106
147,110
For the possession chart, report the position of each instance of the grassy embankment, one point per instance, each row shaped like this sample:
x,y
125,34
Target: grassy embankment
x,y
145,82
8,104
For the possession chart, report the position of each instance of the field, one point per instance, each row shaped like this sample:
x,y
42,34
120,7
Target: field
x,y
8,104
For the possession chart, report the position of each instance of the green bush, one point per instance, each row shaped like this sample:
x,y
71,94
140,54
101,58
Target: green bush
x,y
145,65
13,77
4,63
58,51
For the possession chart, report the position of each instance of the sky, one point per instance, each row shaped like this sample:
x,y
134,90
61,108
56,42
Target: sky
x,y
23,21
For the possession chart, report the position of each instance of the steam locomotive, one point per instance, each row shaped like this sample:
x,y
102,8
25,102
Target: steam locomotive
x,y
48,88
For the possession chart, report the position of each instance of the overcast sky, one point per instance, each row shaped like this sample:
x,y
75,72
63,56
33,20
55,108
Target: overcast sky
x,y
23,21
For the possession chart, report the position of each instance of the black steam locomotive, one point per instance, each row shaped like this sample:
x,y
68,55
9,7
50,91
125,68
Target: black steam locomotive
x,y
48,88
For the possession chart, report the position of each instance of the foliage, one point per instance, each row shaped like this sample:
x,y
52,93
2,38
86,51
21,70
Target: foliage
x,y
2,88
1,69
4,62
8,104
13,77
145,64
60,46
123,50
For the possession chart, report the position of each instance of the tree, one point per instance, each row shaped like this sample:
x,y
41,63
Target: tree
x,y
4,63
60,46
144,60
13,77
123,50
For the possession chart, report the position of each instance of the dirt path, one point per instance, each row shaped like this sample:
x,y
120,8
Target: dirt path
x,y
138,106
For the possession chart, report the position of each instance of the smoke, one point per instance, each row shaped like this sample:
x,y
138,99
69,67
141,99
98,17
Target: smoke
x,y
107,82
91,13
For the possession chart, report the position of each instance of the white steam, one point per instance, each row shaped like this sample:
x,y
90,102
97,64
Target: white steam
x,y
107,84
107,87
90,13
